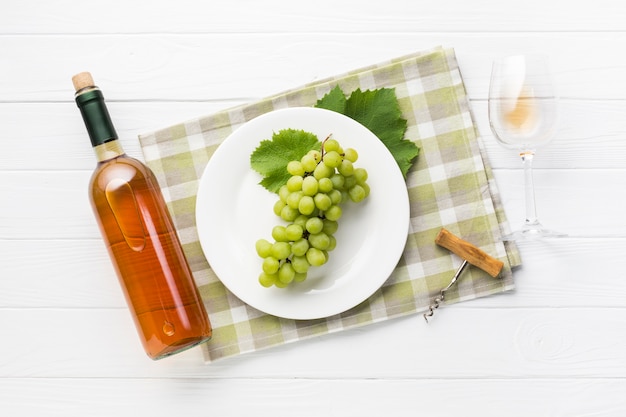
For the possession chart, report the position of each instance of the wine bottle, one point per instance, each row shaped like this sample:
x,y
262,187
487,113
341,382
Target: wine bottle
x,y
140,237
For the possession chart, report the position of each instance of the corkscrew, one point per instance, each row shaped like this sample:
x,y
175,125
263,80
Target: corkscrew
x,y
470,255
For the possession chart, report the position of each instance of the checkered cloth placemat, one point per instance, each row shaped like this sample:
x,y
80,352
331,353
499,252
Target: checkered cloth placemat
x,y
449,186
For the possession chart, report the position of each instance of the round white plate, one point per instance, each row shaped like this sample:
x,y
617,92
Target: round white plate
x,y
233,211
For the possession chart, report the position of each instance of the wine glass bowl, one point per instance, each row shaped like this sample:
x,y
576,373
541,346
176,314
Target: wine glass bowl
x,y
523,105
523,113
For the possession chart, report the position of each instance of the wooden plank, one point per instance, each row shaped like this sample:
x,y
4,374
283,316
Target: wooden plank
x,y
58,273
468,343
317,397
188,16
44,204
222,67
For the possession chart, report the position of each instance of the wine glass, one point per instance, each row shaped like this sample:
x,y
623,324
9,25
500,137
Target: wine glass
x,y
523,116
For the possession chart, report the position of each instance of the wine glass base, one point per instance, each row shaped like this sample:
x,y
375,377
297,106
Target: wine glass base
x,y
533,232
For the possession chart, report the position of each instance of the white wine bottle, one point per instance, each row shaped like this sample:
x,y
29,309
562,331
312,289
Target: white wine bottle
x,y
140,236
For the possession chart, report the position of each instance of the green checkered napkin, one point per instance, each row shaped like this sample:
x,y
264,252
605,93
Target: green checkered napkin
x,y
449,186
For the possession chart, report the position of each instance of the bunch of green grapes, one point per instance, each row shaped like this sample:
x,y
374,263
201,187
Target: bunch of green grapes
x,y
310,204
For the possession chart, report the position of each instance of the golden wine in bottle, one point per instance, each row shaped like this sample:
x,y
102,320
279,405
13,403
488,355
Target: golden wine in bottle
x,y
140,237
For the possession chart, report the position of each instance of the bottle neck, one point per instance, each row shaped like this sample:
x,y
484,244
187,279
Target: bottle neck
x,y
108,150
101,131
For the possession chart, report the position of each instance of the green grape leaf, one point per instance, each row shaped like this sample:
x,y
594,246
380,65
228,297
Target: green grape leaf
x,y
335,100
379,111
271,157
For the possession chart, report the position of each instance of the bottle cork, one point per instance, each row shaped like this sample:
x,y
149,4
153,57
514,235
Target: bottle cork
x,y
82,80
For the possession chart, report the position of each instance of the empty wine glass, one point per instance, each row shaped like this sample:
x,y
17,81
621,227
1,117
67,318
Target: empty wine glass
x,y
523,116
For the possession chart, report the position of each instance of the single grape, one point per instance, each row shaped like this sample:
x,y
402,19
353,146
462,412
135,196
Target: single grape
x,y
319,240
300,263
279,233
346,168
289,214
283,193
344,195
366,187
270,265
332,159
322,201
330,227
336,197
294,183
299,276
325,185
333,243
315,257
293,232
299,247
263,248
310,186
331,145
333,213
279,283
323,171
306,205
349,182
286,273
301,220
295,168
308,163
267,280
278,207
360,174
338,180
317,155
314,225
351,155
294,199
281,250
356,193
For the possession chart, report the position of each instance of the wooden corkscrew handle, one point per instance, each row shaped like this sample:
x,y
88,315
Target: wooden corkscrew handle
x,y
469,252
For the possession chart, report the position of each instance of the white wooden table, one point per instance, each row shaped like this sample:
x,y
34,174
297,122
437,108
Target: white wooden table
x,y
554,347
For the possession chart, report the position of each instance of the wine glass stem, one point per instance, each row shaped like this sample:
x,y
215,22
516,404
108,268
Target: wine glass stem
x,y
531,210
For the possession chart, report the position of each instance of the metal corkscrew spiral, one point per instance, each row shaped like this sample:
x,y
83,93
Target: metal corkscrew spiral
x,y
434,306
471,255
